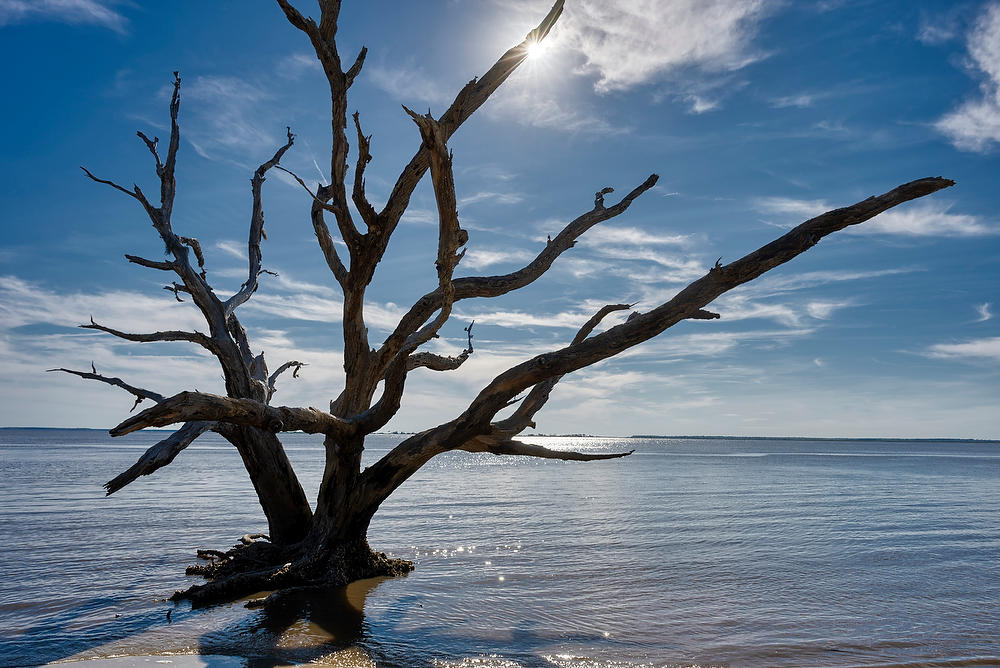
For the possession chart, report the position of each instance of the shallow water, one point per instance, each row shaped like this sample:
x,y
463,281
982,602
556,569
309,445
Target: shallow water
x,y
689,552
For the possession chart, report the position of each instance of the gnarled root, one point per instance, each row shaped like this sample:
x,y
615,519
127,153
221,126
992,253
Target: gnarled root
x,y
258,565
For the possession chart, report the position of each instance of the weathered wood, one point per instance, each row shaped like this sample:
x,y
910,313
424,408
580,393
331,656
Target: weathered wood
x,y
192,406
159,455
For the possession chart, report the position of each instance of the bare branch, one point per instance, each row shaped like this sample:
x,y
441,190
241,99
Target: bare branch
x,y
307,26
256,228
441,362
197,406
524,416
436,362
293,365
499,445
170,335
327,245
364,157
151,145
136,193
152,264
355,69
316,200
194,245
139,393
159,455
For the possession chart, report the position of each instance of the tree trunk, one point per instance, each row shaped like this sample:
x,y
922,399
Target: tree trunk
x,y
281,496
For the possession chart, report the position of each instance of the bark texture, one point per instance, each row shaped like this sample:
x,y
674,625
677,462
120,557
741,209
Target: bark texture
x,y
326,543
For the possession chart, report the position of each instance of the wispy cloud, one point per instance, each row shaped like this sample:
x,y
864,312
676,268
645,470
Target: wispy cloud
x,y
975,124
419,216
92,12
985,312
921,219
408,84
221,124
297,64
491,196
320,307
233,248
524,102
631,236
775,285
802,100
977,349
713,344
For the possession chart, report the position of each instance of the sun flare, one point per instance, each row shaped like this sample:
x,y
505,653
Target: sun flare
x,y
536,50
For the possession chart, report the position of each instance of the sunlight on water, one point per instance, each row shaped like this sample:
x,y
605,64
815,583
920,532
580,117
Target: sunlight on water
x,y
687,553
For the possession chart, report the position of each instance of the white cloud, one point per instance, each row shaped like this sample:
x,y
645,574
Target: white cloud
x,y
984,311
824,310
630,236
802,208
701,105
319,308
632,42
94,12
930,218
25,303
479,259
976,349
975,125
516,319
925,219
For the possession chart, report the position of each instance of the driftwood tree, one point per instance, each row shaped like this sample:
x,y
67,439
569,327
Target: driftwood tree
x,y
327,543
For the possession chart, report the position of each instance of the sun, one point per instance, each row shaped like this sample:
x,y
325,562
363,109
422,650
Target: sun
x,y
536,50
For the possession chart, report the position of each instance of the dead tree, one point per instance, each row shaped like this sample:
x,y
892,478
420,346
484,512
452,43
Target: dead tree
x,y
327,543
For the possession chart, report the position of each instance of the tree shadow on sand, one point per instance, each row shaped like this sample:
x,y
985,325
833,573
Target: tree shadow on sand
x,y
296,626
329,625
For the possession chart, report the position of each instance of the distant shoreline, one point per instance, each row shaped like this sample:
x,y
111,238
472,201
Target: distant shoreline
x,y
874,439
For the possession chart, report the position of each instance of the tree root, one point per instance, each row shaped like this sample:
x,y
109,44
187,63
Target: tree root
x,y
257,566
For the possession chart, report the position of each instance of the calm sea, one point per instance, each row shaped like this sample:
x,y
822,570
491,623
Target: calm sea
x,y
689,552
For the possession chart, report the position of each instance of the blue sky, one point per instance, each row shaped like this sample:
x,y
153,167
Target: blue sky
x,y
756,114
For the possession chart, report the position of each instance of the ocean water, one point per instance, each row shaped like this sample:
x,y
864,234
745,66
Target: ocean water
x,y
690,552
